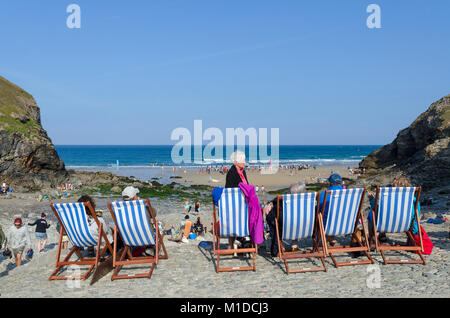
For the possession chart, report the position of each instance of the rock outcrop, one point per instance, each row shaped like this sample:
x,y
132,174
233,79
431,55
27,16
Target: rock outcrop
x,y
420,151
28,158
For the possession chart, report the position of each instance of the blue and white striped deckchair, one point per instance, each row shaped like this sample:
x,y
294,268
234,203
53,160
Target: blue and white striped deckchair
x,y
233,222
299,214
74,222
299,220
133,223
343,207
343,211
137,227
233,213
395,209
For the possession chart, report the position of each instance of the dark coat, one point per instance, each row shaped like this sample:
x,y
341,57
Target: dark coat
x,y
233,179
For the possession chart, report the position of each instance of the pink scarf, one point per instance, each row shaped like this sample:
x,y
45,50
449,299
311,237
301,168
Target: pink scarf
x,y
241,174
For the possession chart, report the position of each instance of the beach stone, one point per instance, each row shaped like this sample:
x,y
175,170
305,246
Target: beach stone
x,y
116,189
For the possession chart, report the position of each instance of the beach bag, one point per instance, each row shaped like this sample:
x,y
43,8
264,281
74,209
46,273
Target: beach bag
x,y
427,244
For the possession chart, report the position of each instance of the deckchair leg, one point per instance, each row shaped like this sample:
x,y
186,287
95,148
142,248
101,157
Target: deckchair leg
x,y
414,248
122,257
165,255
65,262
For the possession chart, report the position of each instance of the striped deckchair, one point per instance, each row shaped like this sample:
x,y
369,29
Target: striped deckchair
x,y
343,212
74,223
300,220
393,214
233,222
137,226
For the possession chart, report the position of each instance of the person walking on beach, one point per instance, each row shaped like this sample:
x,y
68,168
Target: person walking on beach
x,y
17,240
197,208
187,207
41,231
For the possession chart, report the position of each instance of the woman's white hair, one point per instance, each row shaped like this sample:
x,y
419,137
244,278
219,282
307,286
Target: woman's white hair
x,y
237,157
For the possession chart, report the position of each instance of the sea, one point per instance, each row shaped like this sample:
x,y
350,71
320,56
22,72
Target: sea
x,y
145,162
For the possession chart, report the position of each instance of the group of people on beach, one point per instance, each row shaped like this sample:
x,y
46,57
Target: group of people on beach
x,y
237,175
17,239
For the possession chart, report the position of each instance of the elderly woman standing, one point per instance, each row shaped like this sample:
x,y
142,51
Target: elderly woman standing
x,y
236,174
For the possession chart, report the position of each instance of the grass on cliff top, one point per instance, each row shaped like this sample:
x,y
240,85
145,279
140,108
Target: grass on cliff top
x,y
11,96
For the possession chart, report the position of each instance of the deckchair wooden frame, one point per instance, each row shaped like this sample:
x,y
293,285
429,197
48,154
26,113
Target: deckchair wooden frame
x,y
347,249
93,262
134,260
387,247
219,252
316,252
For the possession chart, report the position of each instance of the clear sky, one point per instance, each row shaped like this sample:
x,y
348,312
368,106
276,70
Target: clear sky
x,y
138,69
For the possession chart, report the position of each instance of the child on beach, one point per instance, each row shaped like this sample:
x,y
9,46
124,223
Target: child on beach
x,y
41,231
197,208
187,207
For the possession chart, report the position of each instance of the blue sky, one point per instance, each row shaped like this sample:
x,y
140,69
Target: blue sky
x,y
136,70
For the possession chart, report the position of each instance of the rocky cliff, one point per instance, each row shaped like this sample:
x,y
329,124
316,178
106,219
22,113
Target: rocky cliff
x,y
420,151
28,158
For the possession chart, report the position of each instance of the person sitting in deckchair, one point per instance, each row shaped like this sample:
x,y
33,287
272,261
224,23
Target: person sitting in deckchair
x,y
131,194
398,182
272,214
93,227
335,181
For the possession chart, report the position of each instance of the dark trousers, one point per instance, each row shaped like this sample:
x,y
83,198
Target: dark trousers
x,y
274,239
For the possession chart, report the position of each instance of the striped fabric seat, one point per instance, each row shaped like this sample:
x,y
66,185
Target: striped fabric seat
x,y
298,215
75,222
233,213
395,209
133,223
343,208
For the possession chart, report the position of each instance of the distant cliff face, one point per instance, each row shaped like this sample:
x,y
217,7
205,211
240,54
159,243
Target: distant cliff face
x,y
28,158
420,151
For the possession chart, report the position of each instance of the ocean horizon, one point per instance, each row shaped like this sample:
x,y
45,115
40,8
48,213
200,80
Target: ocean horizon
x,y
80,156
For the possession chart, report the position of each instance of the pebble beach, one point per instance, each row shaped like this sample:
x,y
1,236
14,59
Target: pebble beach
x,y
190,269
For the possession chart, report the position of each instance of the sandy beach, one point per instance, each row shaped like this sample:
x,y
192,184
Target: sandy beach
x,y
270,181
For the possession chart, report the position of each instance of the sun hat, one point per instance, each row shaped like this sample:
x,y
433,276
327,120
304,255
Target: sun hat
x,y
129,192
